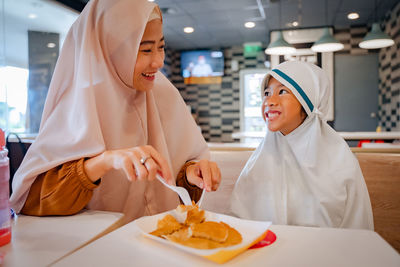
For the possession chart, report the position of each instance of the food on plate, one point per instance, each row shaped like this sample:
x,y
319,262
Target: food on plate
x,y
210,230
234,237
166,226
195,232
194,214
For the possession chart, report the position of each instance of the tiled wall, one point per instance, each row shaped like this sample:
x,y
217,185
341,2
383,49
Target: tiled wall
x,y
216,106
389,75
351,37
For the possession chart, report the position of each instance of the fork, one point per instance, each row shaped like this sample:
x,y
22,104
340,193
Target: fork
x,y
182,192
201,198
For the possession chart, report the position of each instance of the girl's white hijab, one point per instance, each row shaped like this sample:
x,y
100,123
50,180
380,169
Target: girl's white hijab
x,y
309,177
92,107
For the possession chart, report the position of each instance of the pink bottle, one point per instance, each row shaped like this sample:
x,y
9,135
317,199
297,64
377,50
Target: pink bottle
x,y
5,214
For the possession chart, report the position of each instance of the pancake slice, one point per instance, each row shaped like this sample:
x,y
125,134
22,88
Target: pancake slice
x,y
166,226
210,230
234,237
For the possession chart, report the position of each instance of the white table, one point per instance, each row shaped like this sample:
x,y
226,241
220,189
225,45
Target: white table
x,y
39,241
295,246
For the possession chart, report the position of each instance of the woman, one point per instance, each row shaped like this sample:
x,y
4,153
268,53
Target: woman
x,y
111,121
303,173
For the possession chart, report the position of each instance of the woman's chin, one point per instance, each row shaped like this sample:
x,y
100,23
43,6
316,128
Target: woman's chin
x,y
144,88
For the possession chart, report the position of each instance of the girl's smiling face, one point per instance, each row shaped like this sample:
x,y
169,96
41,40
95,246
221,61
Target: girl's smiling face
x,y
150,56
281,108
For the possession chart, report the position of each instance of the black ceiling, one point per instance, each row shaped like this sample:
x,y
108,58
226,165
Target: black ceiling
x,y
75,4
220,23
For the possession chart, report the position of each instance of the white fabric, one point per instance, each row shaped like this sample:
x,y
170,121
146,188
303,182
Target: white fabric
x,y
309,177
91,107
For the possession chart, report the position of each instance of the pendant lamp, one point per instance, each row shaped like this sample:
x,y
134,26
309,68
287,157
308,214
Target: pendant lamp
x,y
376,38
327,43
280,46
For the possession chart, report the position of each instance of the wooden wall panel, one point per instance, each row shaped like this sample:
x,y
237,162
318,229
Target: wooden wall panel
x,y
382,176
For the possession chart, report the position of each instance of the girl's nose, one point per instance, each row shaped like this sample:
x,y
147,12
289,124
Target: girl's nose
x,y
272,101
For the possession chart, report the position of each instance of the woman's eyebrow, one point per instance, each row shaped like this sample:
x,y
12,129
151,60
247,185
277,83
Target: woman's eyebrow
x,y
150,41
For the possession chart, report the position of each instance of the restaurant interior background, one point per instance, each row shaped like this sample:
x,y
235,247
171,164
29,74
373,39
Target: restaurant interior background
x,y
366,98
366,81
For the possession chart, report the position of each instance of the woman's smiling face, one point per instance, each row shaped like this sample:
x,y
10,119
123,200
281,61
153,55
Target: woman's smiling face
x,y
281,108
150,56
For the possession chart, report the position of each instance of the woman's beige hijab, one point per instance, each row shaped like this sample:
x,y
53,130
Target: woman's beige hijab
x,y
92,107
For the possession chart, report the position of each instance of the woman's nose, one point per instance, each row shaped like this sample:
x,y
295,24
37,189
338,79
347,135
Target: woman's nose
x,y
158,60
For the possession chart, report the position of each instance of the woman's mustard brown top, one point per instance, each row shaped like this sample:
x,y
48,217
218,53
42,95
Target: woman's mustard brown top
x,y
66,189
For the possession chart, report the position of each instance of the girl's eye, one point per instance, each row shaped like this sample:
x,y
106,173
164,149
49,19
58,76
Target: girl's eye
x,y
267,92
161,47
283,91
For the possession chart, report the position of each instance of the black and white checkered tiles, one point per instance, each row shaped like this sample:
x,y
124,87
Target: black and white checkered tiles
x,y
389,75
351,37
215,105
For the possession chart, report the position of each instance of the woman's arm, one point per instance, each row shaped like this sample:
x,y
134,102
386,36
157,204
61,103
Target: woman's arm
x,y
63,190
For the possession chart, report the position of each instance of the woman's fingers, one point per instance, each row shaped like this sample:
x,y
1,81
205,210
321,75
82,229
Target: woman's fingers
x,y
206,174
128,169
193,176
216,175
140,163
161,162
141,170
152,168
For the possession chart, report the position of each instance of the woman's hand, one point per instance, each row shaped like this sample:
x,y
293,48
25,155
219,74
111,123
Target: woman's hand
x,y
204,174
130,162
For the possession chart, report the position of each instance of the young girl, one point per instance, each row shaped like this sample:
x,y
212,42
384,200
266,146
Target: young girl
x,y
111,121
303,172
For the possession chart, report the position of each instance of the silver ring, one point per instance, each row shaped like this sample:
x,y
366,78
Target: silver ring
x,y
143,159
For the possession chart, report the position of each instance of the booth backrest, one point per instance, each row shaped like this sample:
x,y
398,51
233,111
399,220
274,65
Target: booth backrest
x,y
231,164
381,173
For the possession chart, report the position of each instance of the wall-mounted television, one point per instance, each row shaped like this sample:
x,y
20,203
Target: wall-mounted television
x,y
202,66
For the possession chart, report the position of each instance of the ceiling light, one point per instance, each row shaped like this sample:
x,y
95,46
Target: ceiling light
x,y
51,45
376,38
188,29
280,46
32,16
150,0
327,43
249,24
353,15
295,24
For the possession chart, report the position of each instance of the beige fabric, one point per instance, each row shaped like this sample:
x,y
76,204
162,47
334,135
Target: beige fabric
x,y
155,14
91,107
